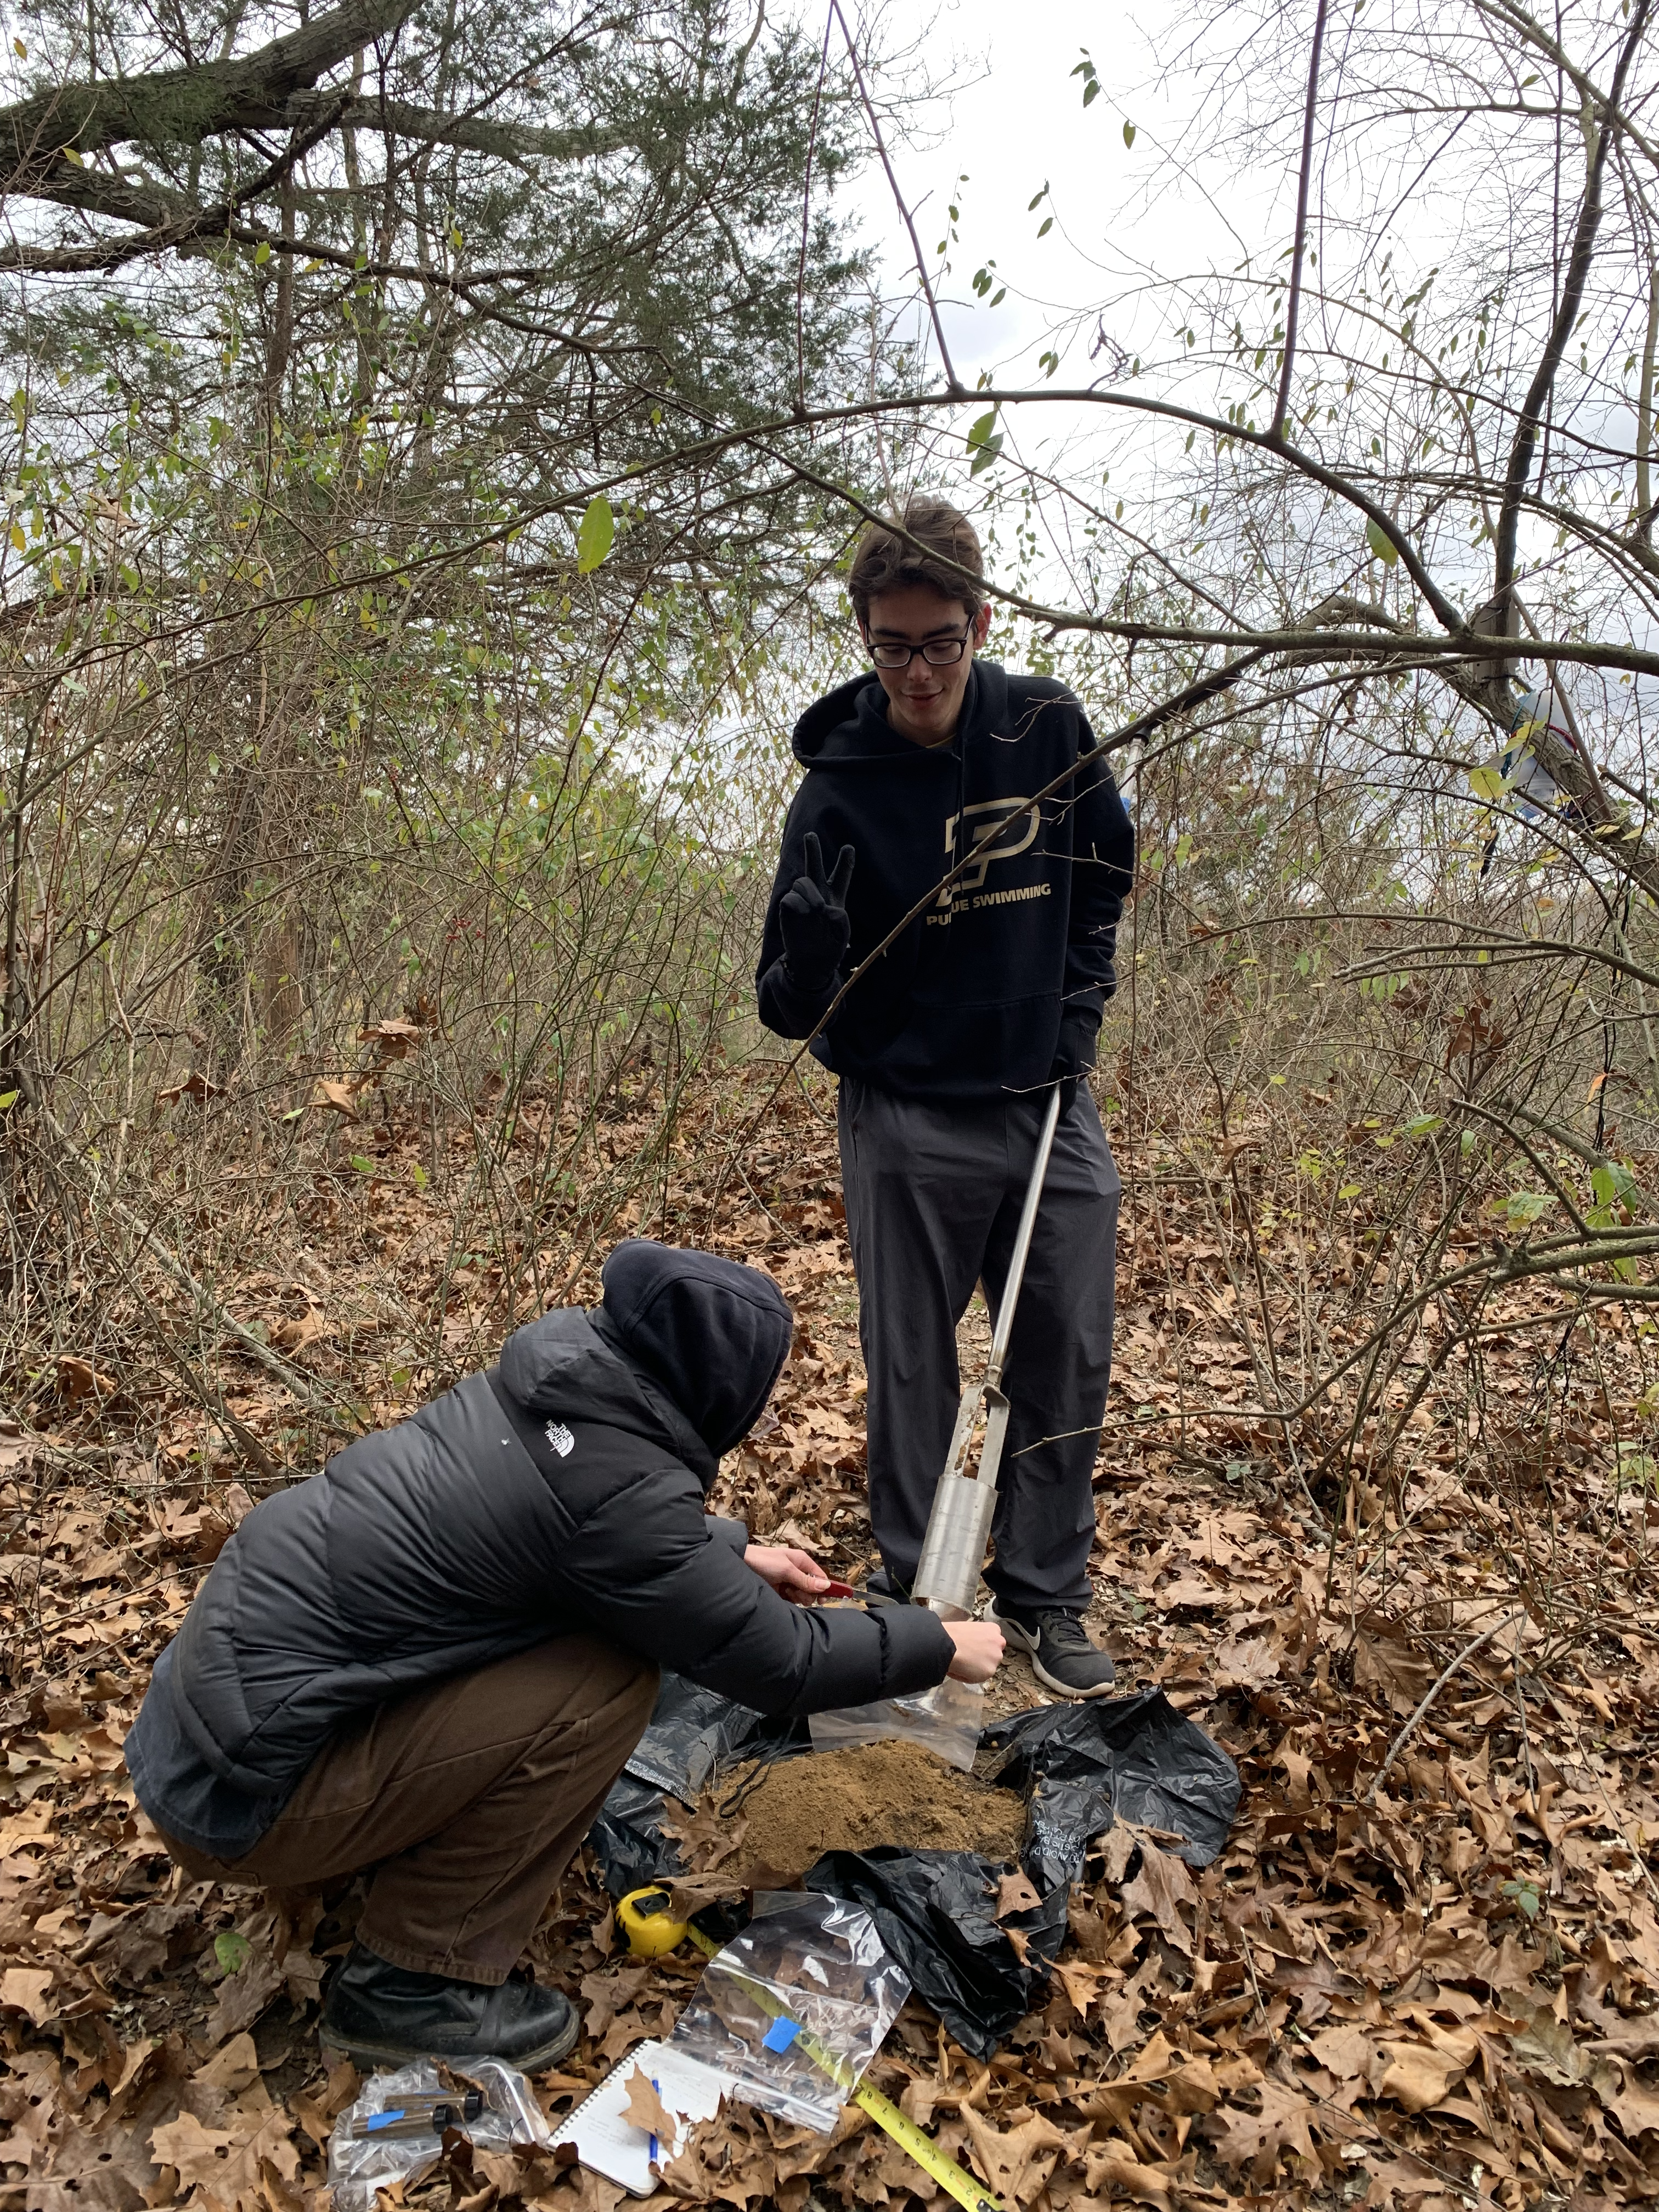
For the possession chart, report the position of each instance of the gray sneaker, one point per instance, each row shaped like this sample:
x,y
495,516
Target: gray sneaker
x,y
1061,1655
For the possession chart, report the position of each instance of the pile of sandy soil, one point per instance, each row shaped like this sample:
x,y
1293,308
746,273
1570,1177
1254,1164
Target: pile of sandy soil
x,y
878,1793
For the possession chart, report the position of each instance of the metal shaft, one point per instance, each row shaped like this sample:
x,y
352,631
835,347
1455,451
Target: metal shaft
x,y
1021,1253
959,1525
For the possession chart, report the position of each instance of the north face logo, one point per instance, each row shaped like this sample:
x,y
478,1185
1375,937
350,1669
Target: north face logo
x,y
1007,825
561,1439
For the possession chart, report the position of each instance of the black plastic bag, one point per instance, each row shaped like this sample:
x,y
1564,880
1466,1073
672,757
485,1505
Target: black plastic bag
x,y
1143,1760
933,1911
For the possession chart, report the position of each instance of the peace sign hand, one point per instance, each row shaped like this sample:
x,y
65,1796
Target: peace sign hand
x,y
812,915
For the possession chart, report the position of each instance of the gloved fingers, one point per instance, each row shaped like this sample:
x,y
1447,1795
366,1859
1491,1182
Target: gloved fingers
x,y
812,858
804,897
839,882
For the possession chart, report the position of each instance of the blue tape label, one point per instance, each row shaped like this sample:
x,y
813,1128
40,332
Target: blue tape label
x,y
781,2033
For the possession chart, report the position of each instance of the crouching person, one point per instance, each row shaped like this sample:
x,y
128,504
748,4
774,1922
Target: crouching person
x,y
432,1659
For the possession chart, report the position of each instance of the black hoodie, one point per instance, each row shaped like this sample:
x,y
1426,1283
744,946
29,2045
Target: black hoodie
x,y
562,1492
967,1004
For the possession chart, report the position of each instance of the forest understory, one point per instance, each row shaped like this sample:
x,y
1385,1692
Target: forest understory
x,y
1424,1971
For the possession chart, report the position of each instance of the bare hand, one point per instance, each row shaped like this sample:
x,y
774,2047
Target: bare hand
x,y
792,1573
979,1650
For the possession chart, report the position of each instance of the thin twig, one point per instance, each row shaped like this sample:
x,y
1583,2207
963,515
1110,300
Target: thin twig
x,y
1432,1693
1293,304
954,385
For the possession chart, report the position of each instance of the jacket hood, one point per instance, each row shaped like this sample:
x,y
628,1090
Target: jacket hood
x,y
567,1358
848,727
712,1333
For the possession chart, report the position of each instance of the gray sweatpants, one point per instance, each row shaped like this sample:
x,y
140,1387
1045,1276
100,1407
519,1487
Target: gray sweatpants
x,y
933,1196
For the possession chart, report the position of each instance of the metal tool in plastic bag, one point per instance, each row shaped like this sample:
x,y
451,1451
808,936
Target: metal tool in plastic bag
x,y
959,1525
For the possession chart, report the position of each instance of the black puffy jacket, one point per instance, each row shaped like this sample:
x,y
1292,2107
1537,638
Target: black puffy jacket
x,y
562,1491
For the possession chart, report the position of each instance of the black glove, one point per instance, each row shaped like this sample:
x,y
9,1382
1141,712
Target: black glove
x,y
1074,1052
812,916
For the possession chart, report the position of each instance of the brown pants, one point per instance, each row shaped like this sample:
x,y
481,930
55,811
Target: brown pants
x,y
468,1800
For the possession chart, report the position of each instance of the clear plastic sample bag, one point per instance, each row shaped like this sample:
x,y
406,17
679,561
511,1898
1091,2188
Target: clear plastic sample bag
x,y
945,1719
794,2008
361,2159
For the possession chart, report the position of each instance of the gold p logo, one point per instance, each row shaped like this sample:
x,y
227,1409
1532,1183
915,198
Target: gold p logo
x,y
990,830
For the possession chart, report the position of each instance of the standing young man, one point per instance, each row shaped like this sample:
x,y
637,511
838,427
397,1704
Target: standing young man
x,y
948,1049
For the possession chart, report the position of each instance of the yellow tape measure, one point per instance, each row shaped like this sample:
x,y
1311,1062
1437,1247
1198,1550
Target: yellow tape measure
x,y
913,2141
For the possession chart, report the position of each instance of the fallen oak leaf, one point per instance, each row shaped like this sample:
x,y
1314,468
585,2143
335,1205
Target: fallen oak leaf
x,y
1161,1886
1016,2161
646,2111
1015,1893
1255,2139
1415,2075
1114,2169
28,1990
225,2166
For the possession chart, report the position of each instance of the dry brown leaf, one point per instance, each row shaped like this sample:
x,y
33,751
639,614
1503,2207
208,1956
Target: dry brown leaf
x,y
644,2109
195,1085
28,1989
225,2166
233,2068
1017,2161
1256,2140
1161,1886
1014,1894
336,1098
1415,2075
1115,2170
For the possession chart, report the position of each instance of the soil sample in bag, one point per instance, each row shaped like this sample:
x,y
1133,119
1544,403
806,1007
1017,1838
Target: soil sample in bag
x,y
853,1800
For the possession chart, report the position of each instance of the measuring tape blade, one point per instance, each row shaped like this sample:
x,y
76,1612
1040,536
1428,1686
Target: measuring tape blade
x,y
911,2139
926,2152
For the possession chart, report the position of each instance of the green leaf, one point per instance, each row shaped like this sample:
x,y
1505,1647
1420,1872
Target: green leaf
x,y
1523,1208
1422,1124
1382,545
8,1100
1128,134
363,1165
1092,90
1487,782
262,253
1045,226
232,1951
1350,1190
597,535
984,442
1526,1896
419,1176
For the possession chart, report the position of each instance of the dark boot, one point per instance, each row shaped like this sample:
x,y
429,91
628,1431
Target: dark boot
x,y
384,2015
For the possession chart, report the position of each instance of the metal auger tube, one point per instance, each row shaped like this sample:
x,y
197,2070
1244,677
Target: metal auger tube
x,y
959,1525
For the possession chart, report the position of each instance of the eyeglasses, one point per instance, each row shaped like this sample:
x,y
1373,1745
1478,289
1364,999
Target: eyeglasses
x,y
938,653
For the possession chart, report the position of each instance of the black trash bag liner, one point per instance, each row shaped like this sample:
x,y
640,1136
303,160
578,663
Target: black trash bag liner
x,y
933,1911
692,1733
1148,1763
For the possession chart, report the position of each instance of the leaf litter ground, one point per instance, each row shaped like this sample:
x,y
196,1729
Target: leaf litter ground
x,y
1437,1992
